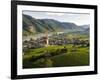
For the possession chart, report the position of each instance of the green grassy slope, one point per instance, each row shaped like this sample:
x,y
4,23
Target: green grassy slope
x,y
80,57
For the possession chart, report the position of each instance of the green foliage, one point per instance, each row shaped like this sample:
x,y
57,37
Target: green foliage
x,y
78,58
59,58
34,26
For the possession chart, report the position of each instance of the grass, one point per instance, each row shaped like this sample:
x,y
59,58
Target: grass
x,y
80,57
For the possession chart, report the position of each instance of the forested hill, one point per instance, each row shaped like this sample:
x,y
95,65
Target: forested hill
x,y
32,25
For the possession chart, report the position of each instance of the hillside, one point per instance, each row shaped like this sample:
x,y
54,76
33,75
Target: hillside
x,y
33,26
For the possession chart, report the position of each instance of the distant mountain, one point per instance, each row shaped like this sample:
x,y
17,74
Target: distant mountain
x,y
34,26
52,24
85,26
71,26
87,30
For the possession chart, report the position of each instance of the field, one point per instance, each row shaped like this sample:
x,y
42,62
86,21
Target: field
x,y
56,56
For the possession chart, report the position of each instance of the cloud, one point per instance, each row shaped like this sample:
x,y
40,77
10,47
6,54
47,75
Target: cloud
x,y
55,14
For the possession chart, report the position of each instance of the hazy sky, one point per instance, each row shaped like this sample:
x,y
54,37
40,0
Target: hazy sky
x,y
77,18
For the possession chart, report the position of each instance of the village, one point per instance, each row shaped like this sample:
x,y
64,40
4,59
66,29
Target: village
x,y
55,39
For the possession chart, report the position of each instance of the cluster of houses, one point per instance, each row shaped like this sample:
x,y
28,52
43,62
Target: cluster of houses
x,y
58,39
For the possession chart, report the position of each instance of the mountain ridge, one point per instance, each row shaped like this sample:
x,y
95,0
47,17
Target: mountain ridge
x,y
32,25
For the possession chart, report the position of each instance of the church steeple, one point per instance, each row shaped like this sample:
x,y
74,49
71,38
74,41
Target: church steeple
x,y
47,39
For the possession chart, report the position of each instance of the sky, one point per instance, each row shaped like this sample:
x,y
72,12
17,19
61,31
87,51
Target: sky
x,y
77,18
